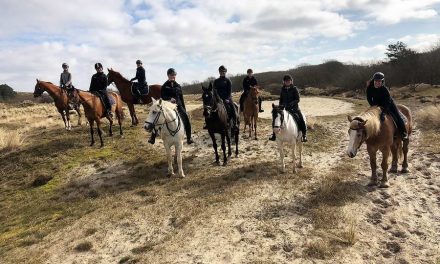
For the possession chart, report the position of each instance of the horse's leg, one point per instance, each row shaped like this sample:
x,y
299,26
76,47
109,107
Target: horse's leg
x,y
110,131
131,110
405,149
98,127
372,153
225,159
214,145
281,151
119,116
69,126
300,147
255,126
64,118
77,109
228,140
394,155
91,132
170,160
384,165
179,158
293,147
236,134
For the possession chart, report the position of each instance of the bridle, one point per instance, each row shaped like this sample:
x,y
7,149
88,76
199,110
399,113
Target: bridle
x,y
155,123
281,112
360,128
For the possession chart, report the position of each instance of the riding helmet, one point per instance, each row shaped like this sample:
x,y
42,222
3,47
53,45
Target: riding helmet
x,y
65,65
171,71
138,62
98,65
222,69
287,77
250,71
379,76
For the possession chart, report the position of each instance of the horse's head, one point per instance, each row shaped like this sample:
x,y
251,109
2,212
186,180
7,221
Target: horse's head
x,y
111,76
73,96
155,116
357,135
209,102
277,118
254,93
38,91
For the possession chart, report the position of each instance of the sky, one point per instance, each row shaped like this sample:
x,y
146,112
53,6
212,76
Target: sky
x,y
196,37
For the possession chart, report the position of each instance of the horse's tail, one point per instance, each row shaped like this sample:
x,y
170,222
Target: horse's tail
x,y
119,110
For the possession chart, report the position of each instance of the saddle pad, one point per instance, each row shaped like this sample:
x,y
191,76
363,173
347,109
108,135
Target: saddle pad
x,y
143,89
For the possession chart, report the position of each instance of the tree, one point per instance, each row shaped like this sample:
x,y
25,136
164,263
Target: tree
x,y
398,51
6,92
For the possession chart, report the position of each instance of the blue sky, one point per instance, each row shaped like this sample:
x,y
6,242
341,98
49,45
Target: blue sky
x,y
195,37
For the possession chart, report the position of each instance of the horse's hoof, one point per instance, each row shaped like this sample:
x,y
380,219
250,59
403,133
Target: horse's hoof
x,y
372,183
217,162
182,176
294,171
384,184
405,170
91,144
393,170
102,145
110,135
299,166
225,163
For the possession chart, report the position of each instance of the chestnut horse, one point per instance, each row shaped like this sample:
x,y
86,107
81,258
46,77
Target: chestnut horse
x,y
94,110
382,136
124,87
250,111
61,101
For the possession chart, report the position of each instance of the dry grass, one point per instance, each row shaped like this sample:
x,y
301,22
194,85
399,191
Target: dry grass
x,y
429,117
11,140
320,249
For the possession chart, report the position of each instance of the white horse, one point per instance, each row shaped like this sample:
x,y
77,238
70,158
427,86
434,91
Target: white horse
x,y
164,118
287,131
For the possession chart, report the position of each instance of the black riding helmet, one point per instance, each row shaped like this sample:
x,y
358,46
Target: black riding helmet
x,y
287,77
250,71
379,76
171,71
65,65
138,62
98,65
222,69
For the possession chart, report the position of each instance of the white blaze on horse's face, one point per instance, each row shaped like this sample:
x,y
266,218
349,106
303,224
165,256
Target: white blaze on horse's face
x,y
277,124
356,137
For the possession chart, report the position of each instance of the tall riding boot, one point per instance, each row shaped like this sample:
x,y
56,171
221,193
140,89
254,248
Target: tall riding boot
x,y
242,97
259,104
186,123
394,111
107,105
302,126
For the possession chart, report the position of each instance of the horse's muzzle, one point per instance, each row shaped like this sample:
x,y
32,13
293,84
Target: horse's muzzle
x,y
276,130
351,153
148,126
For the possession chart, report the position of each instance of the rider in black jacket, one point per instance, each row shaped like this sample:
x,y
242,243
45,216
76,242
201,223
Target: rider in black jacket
x,y
289,99
224,89
141,80
248,82
98,85
172,91
378,94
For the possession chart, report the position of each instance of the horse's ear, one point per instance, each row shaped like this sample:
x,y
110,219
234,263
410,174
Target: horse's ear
x,y
273,105
160,101
362,124
203,88
153,100
349,118
210,86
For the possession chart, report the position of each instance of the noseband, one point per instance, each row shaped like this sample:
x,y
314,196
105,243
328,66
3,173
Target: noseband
x,y
281,119
156,119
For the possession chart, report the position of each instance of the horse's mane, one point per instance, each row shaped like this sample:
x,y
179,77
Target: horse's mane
x,y
118,74
372,126
168,104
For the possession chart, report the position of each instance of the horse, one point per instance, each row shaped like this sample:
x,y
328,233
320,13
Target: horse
x,y
94,110
216,118
60,99
382,136
164,118
250,111
287,131
124,87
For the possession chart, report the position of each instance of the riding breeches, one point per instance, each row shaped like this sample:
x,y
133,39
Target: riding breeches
x,y
185,120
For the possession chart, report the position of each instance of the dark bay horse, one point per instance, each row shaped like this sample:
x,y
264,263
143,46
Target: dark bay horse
x,y
94,110
250,111
61,101
216,119
124,87
382,136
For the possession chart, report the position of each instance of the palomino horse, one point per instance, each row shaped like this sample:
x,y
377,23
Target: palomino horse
x,y
250,111
287,131
60,99
382,136
216,119
94,110
124,87
164,118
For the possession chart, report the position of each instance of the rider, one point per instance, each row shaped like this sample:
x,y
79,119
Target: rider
x,y
141,80
289,99
65,78
98,85
378,95
248,82
172,91
224,89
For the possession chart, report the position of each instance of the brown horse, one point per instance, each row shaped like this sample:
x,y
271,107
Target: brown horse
x,y
94,110
60,99
124,87
250,111
382,136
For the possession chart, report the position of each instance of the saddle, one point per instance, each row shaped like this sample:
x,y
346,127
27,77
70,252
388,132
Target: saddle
x,y
110,98
139,89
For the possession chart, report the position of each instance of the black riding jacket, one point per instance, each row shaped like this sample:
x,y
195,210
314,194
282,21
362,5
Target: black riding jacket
x,y
140,75
289,98
380,97
171,89
98,82
248,82
224,87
